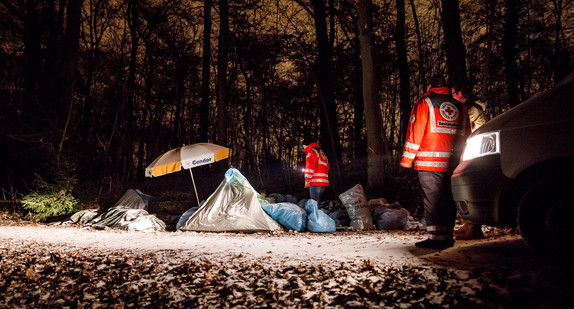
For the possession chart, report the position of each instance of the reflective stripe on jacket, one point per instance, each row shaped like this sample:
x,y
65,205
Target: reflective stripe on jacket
x,y
316,166
438,126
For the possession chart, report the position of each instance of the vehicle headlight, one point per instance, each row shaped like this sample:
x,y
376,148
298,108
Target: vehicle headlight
x,y
481,145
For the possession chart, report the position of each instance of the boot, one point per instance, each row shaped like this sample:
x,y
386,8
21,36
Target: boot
x,y
463,229
435,244
470,231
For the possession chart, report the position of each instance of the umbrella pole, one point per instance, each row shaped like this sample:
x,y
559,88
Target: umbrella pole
x,y
194,188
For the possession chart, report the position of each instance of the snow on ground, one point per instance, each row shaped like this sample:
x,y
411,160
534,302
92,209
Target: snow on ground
x,y
284,246
387,247
70,266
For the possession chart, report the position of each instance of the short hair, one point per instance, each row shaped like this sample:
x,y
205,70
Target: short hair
x,y
437,80
464,88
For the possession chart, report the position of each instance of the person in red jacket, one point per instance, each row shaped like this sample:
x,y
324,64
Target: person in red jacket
x,y
316,170
438,127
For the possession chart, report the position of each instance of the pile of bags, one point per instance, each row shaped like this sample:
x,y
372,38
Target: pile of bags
x,y
375,213
358,213
293,217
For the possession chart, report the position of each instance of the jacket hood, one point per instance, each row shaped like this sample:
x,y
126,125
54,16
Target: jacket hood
x,y
312,145
478,101
441,90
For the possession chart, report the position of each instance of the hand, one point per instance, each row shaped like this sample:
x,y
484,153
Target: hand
x,y
406,164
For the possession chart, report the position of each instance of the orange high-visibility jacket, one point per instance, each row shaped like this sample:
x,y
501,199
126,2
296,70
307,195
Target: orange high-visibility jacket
x,y
316,166
438,127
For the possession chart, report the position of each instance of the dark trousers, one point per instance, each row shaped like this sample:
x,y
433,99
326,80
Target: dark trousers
x,y
440,209
316,192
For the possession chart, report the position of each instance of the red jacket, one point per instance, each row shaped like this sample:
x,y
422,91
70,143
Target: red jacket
x,y
316,166
438,127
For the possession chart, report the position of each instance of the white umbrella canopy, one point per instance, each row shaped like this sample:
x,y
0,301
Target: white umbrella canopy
x,y
186,157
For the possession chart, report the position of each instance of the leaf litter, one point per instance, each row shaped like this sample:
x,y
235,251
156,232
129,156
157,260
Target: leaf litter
x,y
57,274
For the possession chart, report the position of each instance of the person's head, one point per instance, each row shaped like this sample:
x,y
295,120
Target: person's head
x,y
437,80
460,92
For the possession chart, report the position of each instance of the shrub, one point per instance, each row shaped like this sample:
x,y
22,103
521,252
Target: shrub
x,y
45,205
51,200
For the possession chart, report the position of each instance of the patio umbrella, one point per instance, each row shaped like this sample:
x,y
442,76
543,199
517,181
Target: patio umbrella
x,y
186,157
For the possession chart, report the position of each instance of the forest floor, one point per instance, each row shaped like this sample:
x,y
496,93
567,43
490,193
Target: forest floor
x,y
70,266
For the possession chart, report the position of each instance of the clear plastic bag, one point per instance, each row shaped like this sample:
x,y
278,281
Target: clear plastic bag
x,y
358,208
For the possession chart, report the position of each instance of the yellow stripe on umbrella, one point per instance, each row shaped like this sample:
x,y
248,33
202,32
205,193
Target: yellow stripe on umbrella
x,y
186,157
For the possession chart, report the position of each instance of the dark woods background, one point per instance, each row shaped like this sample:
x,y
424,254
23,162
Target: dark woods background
x,y
92,91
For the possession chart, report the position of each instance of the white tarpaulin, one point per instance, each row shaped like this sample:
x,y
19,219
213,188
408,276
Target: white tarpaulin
x,y
129,213
232,207
120,217
134,199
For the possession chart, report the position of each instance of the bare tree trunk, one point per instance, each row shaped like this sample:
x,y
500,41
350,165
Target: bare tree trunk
x,y
360,149
143,138
375,149
94,32
490,11
422,69
561,59
247,117
509,52
205,71
133,23
454,48
329,127
403,67
32,57
221,83
126,112
181,72
69,66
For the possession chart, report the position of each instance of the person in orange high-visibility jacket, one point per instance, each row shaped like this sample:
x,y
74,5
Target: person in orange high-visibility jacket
x,y
316,170
438,127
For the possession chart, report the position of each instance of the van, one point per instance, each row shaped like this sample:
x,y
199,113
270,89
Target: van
x,y
518,170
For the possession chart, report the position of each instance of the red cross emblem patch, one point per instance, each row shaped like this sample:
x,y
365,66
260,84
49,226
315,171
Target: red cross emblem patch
x,y
448,111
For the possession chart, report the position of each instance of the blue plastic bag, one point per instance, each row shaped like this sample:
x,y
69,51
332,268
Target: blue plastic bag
x,y
185,216
289,215
317,220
